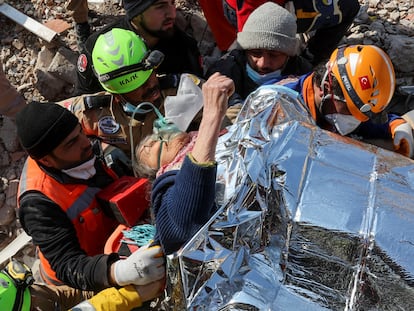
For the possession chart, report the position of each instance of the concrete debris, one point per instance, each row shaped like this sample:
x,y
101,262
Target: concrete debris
x,y
27,22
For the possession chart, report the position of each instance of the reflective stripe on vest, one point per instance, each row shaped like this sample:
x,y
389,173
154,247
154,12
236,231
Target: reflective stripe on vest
x,y
43,274
78,201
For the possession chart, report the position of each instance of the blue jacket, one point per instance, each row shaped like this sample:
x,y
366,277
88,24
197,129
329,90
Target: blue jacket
x,y
182,202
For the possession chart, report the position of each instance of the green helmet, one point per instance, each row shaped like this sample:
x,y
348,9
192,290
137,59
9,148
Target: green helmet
x,y
9,293
120,61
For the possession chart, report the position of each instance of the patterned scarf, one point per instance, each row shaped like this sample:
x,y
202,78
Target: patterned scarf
x,y
179,158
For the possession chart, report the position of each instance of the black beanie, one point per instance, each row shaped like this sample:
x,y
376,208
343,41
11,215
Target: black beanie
x,y
136,7
41,127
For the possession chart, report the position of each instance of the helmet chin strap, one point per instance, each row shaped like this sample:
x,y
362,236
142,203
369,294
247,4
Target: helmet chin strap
x,y
327,77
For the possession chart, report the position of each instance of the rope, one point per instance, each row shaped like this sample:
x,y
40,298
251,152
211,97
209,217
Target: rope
x,y
141,234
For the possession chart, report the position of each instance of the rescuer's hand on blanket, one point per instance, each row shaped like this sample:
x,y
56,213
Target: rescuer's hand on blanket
x,y
144,266
403,140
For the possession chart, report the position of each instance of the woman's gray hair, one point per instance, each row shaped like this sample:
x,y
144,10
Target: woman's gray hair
x,y
141,169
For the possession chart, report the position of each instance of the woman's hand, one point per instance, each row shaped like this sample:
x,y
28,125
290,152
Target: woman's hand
x,y
216,92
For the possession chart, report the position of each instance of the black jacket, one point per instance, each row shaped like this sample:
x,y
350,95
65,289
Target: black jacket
x,y
53,232
181,55
233,65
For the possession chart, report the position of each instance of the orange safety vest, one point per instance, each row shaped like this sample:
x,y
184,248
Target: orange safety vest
x,y
92,226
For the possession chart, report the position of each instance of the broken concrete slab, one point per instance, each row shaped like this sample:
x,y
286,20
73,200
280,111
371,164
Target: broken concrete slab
x,y
18,243
63,65
55,72
27,22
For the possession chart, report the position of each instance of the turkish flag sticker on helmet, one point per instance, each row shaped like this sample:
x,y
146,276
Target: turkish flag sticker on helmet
x,y
364,82
82,63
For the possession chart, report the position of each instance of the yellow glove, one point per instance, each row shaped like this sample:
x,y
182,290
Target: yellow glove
x,y
111,299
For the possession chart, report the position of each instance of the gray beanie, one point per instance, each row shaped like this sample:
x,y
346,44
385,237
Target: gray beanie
x,y
269,27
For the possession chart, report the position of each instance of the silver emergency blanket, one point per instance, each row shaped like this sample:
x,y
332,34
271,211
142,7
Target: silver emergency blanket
x,y
307,220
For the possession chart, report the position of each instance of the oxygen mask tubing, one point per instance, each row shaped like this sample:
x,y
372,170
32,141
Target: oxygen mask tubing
x,y
163,129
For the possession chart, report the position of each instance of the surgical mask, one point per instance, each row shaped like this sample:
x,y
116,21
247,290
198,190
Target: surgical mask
x,y
343,123
84,171
261,79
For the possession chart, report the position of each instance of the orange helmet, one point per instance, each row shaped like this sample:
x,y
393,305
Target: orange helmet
x,y
366,76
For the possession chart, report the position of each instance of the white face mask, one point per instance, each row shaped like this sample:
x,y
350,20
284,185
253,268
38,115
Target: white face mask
x,y
343,123
84,171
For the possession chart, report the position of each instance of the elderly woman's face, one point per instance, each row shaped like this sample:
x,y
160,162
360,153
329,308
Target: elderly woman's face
x,y
155,152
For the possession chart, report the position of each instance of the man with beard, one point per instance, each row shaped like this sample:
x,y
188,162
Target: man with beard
x,y
324,22
126,70
266,50
154,21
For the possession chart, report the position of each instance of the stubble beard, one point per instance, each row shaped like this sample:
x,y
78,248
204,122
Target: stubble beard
x,y
160,33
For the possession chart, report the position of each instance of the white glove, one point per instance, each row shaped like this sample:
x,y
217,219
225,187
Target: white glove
x,y
403,140
143,266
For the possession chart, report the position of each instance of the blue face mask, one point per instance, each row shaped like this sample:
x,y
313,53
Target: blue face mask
x,y
262,79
